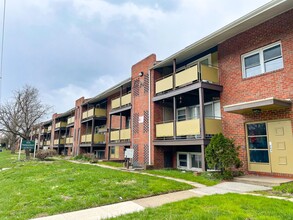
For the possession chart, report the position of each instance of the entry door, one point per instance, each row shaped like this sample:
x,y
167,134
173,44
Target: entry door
x,y
168,159
281,146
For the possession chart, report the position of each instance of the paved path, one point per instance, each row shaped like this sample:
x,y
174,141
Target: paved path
x,y
122,208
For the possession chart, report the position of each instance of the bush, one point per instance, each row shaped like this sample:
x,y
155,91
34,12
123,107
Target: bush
x,y
86,157
43,154
222,153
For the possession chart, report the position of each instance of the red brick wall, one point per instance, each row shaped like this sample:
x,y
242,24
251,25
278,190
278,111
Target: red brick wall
x,y
140,104
77,124
278,84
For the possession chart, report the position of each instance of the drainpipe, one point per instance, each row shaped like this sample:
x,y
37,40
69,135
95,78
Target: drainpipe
x,y
149,117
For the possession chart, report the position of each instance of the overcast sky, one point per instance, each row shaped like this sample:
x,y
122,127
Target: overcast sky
x,y
73,48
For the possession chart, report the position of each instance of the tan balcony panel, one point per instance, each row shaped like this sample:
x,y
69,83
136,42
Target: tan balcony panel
x,y
125,134
99,138
115,103
209,73
114,135
186,76
56,141
164,84
213,126
70,120
69,140
188,127
44,130
126,99
47,143
49,128
61,124
97,112
164,130
100,112
87,138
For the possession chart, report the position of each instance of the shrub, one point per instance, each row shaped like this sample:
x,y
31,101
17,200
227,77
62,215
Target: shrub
x,y
86,157
43,154
222,153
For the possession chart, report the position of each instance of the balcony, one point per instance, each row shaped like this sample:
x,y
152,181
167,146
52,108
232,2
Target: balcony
x,y
70,120
61,124
44,130
69,140
50,128
94,112
47,143
189,128
98,138
120,135
188,76
123,101
59,141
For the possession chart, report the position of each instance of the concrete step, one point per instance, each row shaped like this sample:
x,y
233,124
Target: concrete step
x,y
262,180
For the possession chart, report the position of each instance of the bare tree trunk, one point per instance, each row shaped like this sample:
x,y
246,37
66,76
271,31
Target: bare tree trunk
x,y
27,154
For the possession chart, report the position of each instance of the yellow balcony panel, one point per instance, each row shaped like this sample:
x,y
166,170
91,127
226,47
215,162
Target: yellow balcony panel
x,y
103,129
44,130
126,99
69,140
99,138
164,130
164,84
125,134
188,127
62,141
209,73
115,103
213,126
50,128
61,124
83,138
186,76
114,135
87,138
56,141
84,115
47,143
100,112
70,120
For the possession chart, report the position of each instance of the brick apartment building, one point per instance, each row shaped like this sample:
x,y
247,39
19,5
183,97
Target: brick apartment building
x,y
237,80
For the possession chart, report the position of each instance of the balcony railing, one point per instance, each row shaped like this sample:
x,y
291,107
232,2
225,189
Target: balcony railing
x,y
94,112
61,124
44,130
70,120
59,141
98,138
47,143
120,135
50,128
187,76
190,128
123,101
69,140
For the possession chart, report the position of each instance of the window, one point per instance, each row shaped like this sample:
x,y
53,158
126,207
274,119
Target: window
x,y
181,114
189,160
257,143
262,60
96,129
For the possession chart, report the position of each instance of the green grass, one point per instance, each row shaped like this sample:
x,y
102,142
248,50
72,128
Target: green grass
x,y
111,163
284,190
229,206
8,160
35,188
186,175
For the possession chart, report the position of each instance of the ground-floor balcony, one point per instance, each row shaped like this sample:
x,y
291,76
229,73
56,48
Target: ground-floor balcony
x,y
47,143
97,139
69,140
123,101
187,76
188,129
59,141
120,135
94,112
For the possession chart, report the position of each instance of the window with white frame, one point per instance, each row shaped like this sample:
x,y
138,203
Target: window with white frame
x,y
262,60
189,161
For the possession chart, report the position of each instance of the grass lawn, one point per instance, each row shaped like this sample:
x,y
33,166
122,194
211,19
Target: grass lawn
x,y
34,188
111,163
229,206
186,175
284,190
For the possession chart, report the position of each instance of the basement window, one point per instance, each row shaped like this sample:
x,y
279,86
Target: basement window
x,y
262,60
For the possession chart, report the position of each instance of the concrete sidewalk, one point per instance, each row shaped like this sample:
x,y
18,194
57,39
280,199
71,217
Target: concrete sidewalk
x,y
123,208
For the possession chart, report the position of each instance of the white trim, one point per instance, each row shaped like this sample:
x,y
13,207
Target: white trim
x,y
188,161
259,51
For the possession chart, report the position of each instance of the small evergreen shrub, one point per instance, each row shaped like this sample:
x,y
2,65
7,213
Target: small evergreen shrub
x,y
43,154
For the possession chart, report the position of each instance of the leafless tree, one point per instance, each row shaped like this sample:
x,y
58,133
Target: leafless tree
x,y
18,116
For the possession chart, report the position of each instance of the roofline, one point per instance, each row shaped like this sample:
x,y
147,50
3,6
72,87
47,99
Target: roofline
x,y
96,98
226,28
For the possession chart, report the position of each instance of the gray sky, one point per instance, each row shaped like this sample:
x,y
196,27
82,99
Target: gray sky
x,y
73,48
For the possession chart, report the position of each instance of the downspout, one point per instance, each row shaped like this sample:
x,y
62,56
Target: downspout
x,y
149,116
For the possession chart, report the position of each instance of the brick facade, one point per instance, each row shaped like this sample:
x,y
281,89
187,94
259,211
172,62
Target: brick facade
x,y
277,84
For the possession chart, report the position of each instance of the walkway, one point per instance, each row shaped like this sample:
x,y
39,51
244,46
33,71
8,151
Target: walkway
x,y
122,208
